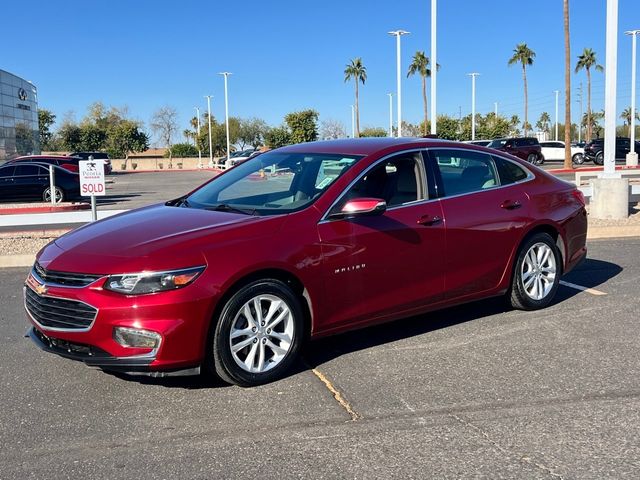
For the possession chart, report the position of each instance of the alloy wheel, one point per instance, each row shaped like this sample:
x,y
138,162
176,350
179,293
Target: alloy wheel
x,y
538,271
261,333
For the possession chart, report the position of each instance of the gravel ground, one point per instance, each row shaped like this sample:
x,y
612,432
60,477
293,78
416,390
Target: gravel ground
x,y
633,219
23,245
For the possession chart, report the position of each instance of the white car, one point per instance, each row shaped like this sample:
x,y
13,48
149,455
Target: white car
x,y
555,151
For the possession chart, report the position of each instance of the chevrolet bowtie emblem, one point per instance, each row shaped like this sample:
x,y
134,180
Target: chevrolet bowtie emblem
x,y
36,286
41,290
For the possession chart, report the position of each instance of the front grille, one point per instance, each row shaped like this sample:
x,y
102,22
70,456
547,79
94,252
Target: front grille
x,y
54,312
64,279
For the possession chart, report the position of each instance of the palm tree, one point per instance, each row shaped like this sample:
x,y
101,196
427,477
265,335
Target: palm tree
x,y
543,122
587,60
420,64
358,72
524,55
568,163
626,116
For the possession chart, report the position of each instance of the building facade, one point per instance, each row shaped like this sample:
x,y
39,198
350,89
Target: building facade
x,y
19,133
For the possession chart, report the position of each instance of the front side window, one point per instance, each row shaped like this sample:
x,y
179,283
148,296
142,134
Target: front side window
x,y
396,180
465,171
272,183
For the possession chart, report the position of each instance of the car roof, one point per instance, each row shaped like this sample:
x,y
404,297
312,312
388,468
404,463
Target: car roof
x,y
36,157
369,145
35,162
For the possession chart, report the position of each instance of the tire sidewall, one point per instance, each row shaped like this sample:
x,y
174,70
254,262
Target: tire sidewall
x,y
57,189
599,159
225,365
578,159
522,299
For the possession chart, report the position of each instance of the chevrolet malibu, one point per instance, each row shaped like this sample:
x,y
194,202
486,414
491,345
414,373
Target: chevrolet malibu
x,y
302,242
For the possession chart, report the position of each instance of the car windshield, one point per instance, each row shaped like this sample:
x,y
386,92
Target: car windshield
x,y
497,143
271,183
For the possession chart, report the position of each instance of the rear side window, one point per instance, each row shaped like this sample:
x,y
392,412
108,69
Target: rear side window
x,y
7,171
25,170
509,172
465,171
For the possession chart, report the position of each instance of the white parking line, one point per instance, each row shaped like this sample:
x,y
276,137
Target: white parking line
x,y
592,291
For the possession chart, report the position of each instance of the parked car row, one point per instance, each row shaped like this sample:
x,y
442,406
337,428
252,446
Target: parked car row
x,y
594,150
68,162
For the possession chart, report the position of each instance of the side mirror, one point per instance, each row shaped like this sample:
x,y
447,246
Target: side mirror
x,y
359,207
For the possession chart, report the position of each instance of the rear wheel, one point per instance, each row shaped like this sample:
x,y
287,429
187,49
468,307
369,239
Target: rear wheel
x,y
259,334
599,160
58,192
536,273
578,158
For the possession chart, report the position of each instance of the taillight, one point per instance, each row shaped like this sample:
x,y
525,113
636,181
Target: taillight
x,y
578,195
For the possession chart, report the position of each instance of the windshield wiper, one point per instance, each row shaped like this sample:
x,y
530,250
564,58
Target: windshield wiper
x,y
225,207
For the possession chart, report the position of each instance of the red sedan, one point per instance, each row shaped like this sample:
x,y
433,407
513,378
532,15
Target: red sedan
x,y
304,241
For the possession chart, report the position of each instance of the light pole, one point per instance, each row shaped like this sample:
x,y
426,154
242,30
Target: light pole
x,y
390,114
209,97
197,138
579,94
398,34
557,92
632,156
473,104
226,115
611,66
495,109
353,121
434,70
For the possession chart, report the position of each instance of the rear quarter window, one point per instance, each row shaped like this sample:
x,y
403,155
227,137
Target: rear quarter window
x,y
508,171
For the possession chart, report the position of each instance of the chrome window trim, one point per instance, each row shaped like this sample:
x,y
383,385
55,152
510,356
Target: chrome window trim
x,y
57,329
530,177
325,218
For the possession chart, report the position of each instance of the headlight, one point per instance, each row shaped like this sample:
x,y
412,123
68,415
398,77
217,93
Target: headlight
x,y
151,282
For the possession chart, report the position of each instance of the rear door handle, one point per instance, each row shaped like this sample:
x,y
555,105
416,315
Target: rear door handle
x,y
510,204
429,220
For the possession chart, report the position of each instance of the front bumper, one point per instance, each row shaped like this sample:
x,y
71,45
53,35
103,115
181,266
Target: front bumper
x,y
181,317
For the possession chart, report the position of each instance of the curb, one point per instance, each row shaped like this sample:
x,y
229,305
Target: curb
x,y
9,261
44,209
613,231
587,169
127,172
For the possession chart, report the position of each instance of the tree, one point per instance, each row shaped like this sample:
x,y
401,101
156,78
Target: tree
x,y
181,150
332,129
626,117
303,126
587,60
593,121
126,138
448,127
543,122
252,132
277,137
524,55
358,72
70,136
568,163
374,132
164,123
46,118
420,64
92,137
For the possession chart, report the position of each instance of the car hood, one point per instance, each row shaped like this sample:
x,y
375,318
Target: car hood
x,y
151,238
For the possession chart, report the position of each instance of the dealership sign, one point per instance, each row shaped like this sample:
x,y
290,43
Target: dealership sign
x,y
92,177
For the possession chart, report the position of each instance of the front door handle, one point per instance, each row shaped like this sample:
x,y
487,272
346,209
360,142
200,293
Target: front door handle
x,y
429,220
510,204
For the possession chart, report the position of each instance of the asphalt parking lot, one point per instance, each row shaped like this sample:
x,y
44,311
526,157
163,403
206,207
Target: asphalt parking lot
x,y
473,391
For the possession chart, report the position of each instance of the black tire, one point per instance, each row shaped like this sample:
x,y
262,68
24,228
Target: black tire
x,y
599,160
225,364
59,194
532,158
518,295
578,158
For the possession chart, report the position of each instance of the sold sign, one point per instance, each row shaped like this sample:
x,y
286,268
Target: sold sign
x,y
91,177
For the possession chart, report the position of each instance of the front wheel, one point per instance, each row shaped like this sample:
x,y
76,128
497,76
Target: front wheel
x,y
58,192
259,334
536,274
578,159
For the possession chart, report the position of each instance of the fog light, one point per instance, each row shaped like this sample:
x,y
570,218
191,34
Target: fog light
x,y
137,338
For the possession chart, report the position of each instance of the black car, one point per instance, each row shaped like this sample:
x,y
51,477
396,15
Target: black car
x,y
21,181
96,156
594,150
66,162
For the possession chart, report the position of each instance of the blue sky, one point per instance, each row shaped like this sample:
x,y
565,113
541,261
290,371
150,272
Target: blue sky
x,y
289,55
